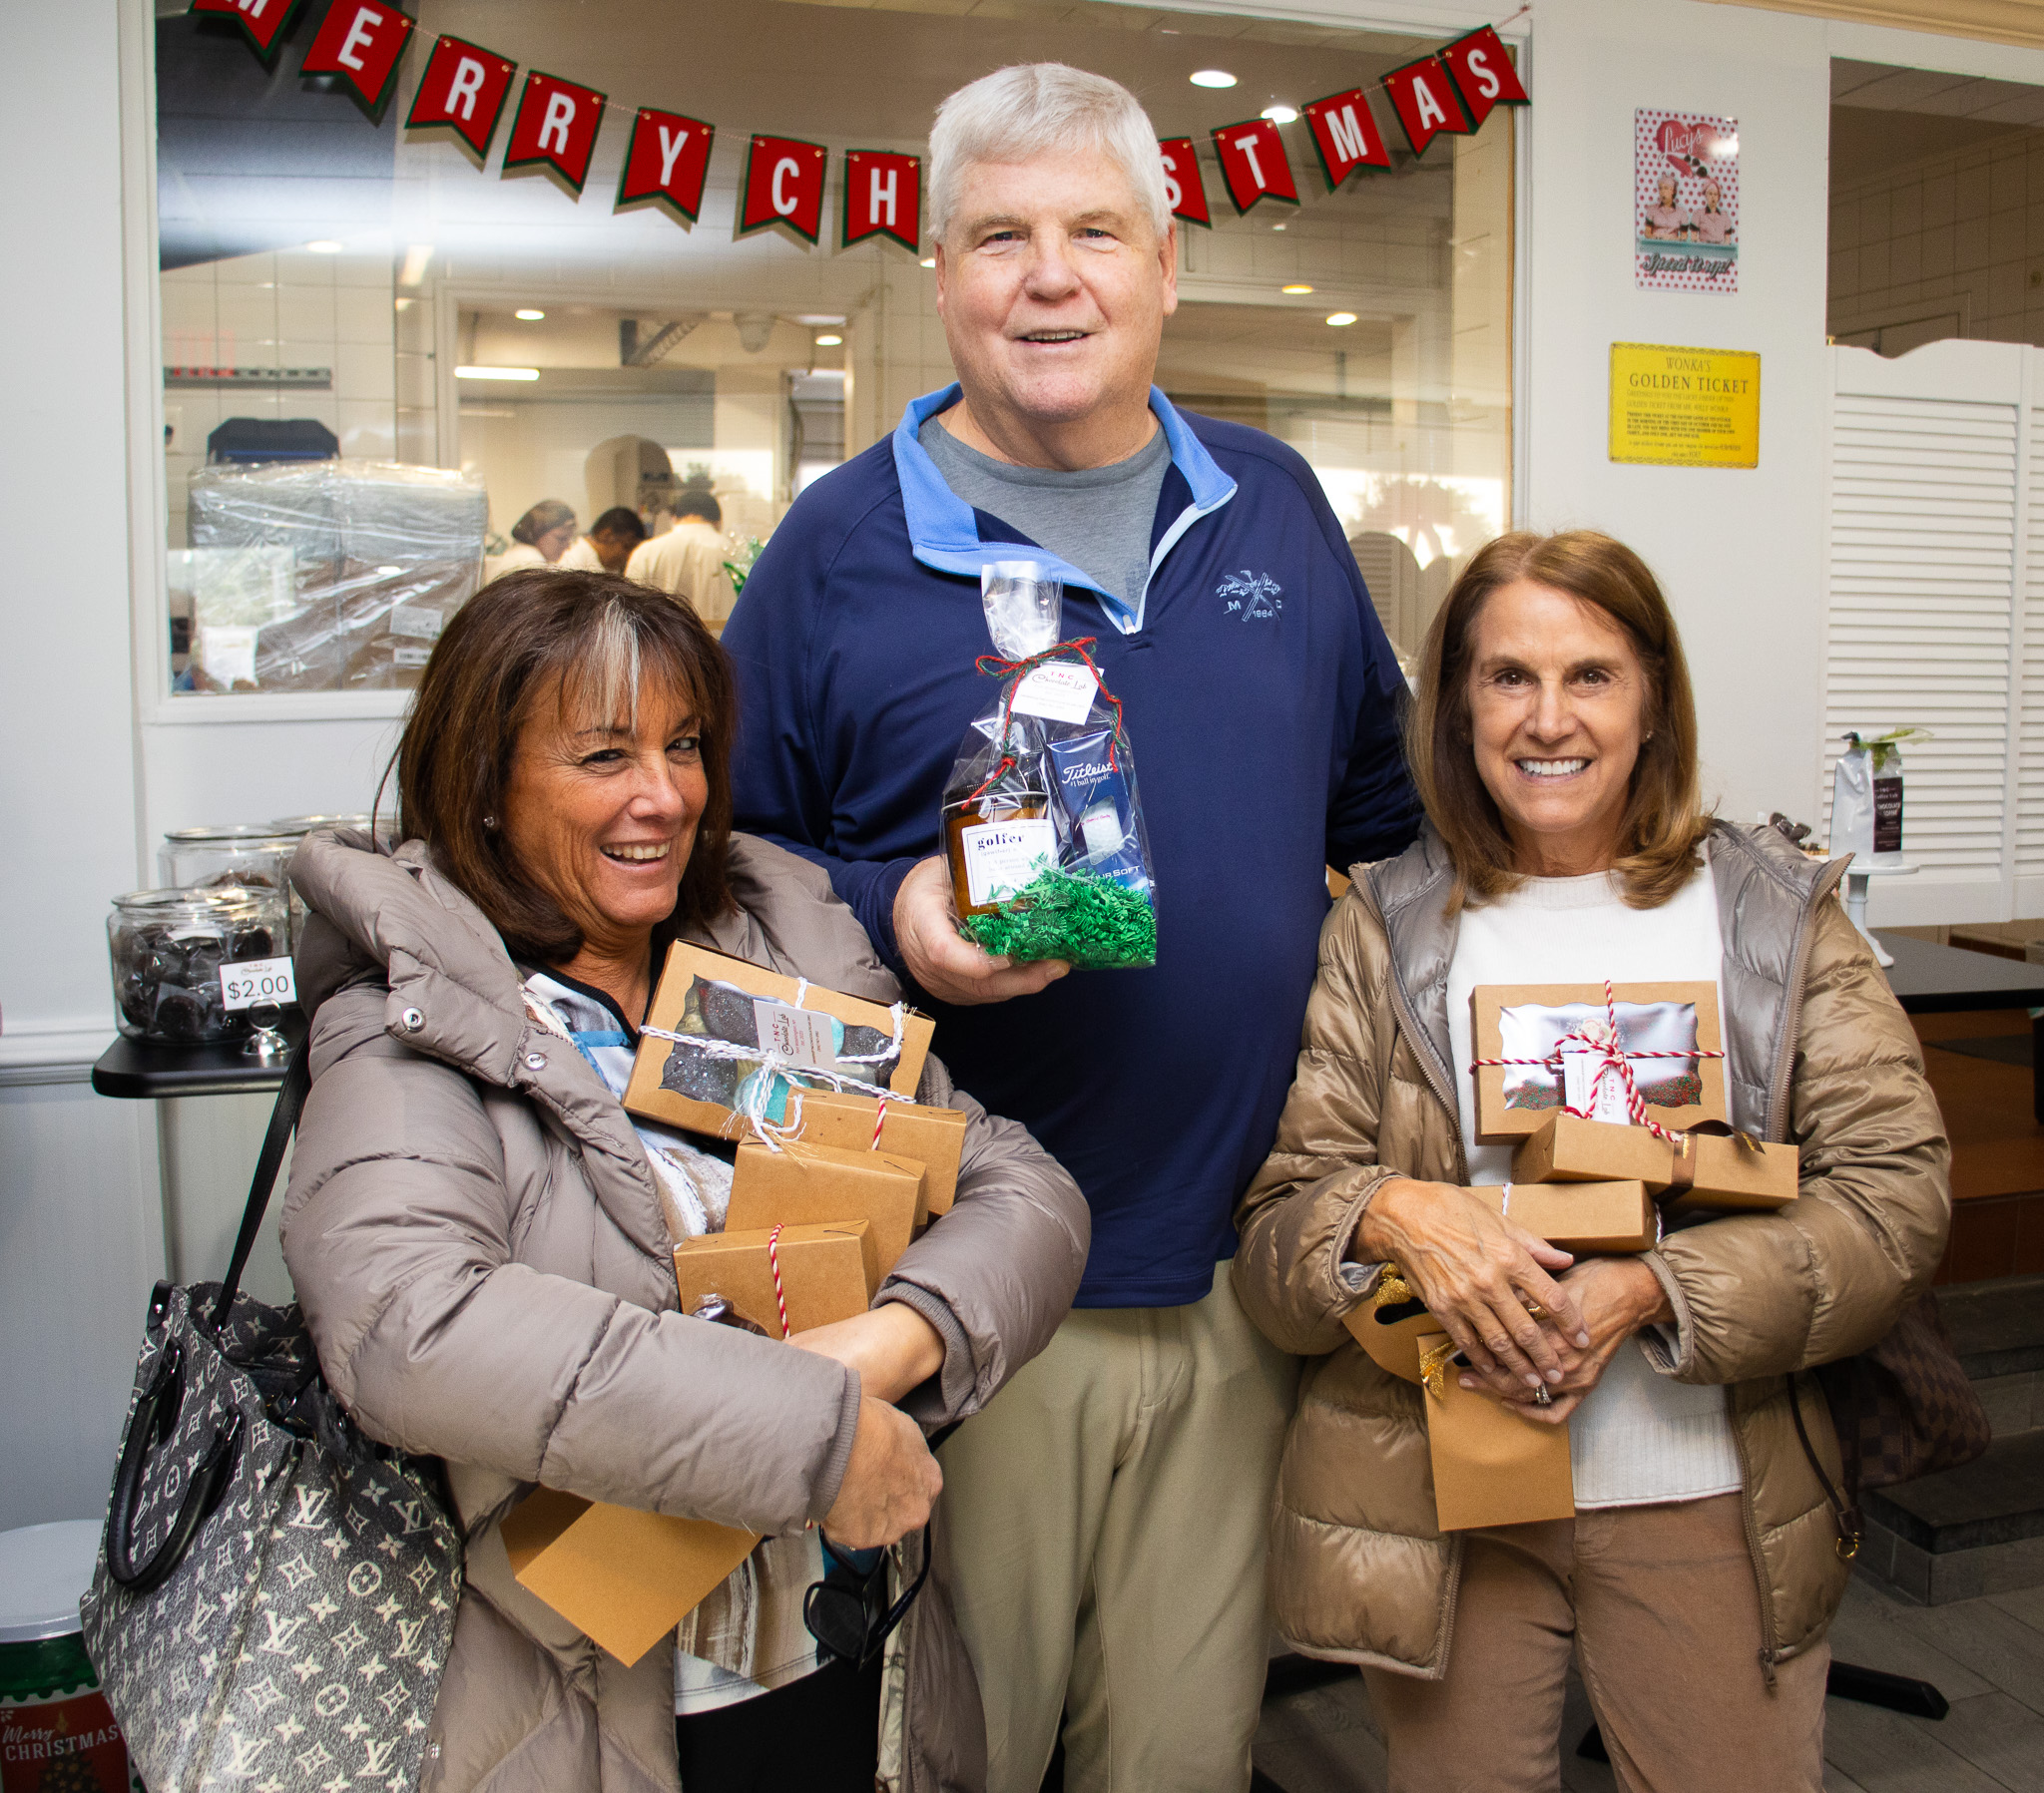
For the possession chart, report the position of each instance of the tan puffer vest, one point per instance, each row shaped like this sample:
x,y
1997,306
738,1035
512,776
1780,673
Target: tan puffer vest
x,y
1818,1051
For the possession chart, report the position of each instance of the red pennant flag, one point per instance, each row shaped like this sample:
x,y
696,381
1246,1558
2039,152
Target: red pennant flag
x,y
1423,97
1184,191
783,185
1253,164
465,87
664,164
555,126
360,41
882,198
1484,73
1345,136
262,21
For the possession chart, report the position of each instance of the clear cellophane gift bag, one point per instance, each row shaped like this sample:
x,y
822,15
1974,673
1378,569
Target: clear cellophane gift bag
x,y
1043,822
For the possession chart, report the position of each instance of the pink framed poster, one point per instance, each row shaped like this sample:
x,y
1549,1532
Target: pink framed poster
x,y
1685,201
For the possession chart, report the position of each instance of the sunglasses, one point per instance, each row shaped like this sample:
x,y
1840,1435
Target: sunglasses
x,y
848,1612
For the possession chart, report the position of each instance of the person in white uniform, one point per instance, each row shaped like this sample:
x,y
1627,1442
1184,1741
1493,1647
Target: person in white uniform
x,y
538,539
688,560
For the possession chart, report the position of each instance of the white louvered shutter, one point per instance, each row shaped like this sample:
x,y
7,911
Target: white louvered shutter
x,y
2029,818
1928,526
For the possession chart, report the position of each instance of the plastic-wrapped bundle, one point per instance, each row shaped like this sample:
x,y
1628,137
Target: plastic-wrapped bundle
x,y
381,555
1042,821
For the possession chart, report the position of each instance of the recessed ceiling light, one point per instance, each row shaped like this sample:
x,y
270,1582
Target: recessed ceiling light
x,y
829,340
1276,227
1296,286
1281,114
496,373
826,320
1213,78
324,246
927,262
1340,320
530,314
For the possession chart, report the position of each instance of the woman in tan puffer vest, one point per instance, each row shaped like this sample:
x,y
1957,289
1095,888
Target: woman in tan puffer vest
x,y
1555,742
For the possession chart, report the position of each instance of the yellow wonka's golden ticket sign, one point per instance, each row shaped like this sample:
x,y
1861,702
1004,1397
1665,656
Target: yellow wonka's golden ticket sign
x,y
1684,407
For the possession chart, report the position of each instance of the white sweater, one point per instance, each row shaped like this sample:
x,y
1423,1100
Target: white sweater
x,y
1639,1437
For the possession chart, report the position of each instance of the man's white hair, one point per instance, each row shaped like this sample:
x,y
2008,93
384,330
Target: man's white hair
x,y
1042,108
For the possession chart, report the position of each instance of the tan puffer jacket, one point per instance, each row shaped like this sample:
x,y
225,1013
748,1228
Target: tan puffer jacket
x,y
479,1250
1818,1052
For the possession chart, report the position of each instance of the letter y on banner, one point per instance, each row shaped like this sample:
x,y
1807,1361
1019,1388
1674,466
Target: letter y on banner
x,y
783,185
1345,136
262,21
1253,164
1485,73
464,87
360,41
555,127
1184,191
664,164
1423,97
882,198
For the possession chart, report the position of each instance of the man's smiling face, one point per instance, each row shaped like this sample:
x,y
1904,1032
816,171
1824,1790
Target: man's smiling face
x,y
1054,287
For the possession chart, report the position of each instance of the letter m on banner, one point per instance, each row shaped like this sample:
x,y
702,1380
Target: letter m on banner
x,y
262,21
783,185
360,41
555,127
665,164
1345,137
464,87
882,198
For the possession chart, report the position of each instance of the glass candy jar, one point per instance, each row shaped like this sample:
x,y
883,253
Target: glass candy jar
x,y
167,947
253,855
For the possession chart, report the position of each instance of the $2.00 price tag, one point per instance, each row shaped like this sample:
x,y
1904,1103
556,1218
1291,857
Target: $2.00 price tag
x,y
255,981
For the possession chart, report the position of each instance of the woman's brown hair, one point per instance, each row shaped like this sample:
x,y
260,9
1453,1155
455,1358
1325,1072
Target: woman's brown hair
x,y
587,640
1664,822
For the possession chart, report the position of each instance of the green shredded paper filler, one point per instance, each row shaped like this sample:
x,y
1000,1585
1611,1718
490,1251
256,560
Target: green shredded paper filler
x,y
1079,916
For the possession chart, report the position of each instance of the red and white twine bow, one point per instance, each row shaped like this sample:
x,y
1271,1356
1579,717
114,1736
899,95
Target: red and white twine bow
x,y
1599,1038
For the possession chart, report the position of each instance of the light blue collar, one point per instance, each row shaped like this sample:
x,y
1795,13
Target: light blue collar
x,y
943,535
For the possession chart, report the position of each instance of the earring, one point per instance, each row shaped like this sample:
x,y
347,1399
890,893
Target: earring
x,y
490,821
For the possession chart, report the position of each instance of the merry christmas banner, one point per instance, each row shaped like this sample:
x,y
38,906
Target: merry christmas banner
x,y
465,91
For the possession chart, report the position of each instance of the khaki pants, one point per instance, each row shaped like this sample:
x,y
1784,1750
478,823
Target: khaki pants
x,y
1103,1524
1660,1608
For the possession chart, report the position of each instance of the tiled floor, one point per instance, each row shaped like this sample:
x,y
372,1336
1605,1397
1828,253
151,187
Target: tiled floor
x,y
1986,1656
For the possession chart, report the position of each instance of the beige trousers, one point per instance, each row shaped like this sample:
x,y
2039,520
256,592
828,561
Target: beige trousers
x,y
1104,1525
1660,1608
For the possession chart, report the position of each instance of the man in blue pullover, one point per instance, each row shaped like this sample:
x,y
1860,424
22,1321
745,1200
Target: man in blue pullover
x,y
1102,1529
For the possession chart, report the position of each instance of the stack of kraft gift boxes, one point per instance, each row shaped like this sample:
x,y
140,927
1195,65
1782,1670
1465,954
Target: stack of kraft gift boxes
x,y
1613,1098
829,1186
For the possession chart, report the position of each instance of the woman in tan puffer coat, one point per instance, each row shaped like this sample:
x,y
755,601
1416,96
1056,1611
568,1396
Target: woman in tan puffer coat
x,y
1555,742
480,1236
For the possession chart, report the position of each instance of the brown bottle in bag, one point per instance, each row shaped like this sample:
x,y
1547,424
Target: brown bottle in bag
x,y
996,844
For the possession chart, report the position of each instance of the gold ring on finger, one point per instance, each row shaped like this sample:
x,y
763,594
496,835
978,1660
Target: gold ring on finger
x,y
1534,1309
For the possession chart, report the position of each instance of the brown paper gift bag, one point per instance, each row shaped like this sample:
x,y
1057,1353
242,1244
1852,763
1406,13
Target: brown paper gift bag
x,y
625,1576
819,1185
1490,1468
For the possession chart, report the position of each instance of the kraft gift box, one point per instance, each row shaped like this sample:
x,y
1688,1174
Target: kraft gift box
x,y
1590,1220
1491,1468
625,1576
801,1184
713,997
934,1138
828,1273
1727,1174
1523,1022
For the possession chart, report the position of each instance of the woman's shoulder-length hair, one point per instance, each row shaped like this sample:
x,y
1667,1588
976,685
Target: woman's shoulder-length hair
x,y
1664,821
584,641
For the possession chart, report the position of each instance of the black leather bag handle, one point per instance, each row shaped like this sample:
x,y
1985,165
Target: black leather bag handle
x,y
283,1120
156,1416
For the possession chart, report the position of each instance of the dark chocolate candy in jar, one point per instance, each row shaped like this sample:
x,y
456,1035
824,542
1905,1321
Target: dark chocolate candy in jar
x,y
167,949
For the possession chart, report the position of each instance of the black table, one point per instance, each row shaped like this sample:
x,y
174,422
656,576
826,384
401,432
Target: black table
x,y
1930,979
142,1069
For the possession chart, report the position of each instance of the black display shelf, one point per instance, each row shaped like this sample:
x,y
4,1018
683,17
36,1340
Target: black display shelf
x,y
142,1069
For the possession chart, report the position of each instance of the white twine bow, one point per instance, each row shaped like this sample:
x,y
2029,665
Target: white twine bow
x,y
756,1093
